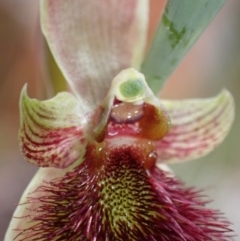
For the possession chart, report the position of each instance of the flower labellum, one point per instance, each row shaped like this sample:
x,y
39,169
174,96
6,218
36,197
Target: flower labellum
x,y
115,191
102,152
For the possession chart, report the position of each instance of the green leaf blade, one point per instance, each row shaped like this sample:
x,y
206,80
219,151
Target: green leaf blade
x,y
182,24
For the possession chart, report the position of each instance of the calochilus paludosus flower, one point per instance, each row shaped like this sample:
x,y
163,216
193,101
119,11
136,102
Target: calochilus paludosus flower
x,y
102,150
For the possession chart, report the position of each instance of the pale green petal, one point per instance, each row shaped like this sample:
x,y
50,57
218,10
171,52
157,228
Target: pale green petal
x,y
52,131
93,42
198,126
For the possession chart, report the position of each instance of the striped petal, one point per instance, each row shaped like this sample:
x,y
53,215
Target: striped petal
x,y
93,42
198,126
51,132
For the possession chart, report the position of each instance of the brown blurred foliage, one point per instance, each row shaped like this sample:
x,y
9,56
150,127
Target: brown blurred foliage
x,y
18,65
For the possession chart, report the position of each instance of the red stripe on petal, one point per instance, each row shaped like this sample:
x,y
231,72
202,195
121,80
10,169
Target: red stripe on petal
x,y
54,138
196,133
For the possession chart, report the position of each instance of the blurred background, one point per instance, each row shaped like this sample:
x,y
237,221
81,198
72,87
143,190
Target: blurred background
x,y
213,63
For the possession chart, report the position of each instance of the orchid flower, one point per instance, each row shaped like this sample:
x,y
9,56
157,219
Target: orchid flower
x,y
103,150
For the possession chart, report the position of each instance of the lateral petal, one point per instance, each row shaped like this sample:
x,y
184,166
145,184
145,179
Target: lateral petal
x,y
51,132
198,126
93,42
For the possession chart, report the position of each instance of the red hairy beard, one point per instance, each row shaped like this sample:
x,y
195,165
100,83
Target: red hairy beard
x,y
111,196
